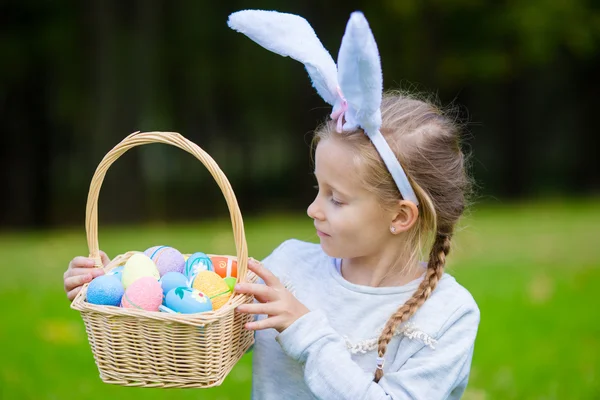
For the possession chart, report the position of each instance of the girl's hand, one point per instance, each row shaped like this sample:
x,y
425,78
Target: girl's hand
x,y
282,308
81,270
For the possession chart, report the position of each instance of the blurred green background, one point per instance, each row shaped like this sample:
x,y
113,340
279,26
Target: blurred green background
x,y
532,267
77,77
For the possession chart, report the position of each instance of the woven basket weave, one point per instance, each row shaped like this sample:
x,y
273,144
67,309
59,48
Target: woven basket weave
x,y
133,347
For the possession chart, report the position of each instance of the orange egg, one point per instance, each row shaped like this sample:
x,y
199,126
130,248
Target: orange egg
x,y
213,286
224,266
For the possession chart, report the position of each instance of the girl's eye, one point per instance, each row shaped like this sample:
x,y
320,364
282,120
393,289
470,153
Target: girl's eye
x,y
332,199
335,202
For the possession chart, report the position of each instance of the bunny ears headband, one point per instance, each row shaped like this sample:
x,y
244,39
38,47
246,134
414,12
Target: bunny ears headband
x,y
354,88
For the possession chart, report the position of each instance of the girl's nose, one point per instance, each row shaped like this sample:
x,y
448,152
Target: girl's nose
x,y
314,211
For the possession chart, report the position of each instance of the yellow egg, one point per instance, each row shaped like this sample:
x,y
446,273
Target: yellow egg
x,y
138,265
212,285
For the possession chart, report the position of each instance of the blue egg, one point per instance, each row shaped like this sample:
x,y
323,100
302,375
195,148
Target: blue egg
x,y
185,300
172,280
105,290
166,309
196,263
118,272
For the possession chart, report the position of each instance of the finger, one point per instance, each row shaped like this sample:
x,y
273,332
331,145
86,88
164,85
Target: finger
x,y
81,262
265,274
266,323
261,292
76,281
258,308
104,258
261,298
95,272
73,293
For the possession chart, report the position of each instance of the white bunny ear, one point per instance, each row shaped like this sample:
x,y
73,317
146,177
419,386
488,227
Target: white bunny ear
x,y
290,35
359,74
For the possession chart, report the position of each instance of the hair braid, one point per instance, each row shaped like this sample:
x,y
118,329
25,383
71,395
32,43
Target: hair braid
x,y
435,269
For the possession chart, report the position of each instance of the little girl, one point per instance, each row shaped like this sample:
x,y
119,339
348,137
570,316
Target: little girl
x,y
358,316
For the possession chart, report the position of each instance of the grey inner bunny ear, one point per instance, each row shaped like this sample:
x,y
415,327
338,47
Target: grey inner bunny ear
x,y
359,73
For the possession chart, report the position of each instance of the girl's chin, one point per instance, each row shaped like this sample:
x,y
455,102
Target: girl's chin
x,y
331,251
347,252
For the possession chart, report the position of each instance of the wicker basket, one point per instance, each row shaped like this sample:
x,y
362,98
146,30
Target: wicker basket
x,y
153,349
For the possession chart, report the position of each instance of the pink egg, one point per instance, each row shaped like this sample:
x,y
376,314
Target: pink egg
x,y
144,294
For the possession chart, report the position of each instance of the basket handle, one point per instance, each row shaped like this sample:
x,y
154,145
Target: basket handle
x,y
174,139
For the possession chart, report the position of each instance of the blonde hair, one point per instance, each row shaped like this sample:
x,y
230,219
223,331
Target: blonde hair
x,y
426,142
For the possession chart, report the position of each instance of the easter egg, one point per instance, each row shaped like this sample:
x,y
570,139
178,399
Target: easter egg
x,y
172,280
117,272
230,282
105,290
166,259
224,266
213,286
138,265
197,262
186,300
165,309
144,294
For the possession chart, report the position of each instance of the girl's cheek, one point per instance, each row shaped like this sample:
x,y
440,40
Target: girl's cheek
x,y
338,219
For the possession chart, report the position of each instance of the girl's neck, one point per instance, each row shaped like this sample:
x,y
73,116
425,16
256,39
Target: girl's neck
x,y
380,271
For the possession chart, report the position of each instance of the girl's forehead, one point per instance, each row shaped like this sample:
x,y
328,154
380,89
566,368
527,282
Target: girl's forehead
x,y
335,163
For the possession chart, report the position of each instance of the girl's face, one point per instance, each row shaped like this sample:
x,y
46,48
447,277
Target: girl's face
x,y
349,219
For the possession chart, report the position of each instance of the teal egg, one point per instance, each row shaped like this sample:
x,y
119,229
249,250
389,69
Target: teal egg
x,y
117,272
186,300
197,262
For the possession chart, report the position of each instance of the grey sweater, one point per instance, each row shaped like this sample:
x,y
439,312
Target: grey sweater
x,y
330,353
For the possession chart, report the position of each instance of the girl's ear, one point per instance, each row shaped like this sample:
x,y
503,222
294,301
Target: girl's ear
x,y
405,217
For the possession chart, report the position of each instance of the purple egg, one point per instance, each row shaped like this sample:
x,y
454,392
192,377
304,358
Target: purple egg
x,y
167,259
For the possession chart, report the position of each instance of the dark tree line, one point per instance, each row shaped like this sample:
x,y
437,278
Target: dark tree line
x,y
77,77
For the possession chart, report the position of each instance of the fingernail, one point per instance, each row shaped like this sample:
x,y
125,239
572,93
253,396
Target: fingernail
x,y
237,286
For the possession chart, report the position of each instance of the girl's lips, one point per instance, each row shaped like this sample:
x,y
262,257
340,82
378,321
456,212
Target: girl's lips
x,y
322,234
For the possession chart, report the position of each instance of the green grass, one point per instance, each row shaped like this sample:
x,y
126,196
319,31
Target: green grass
x,y
533,269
